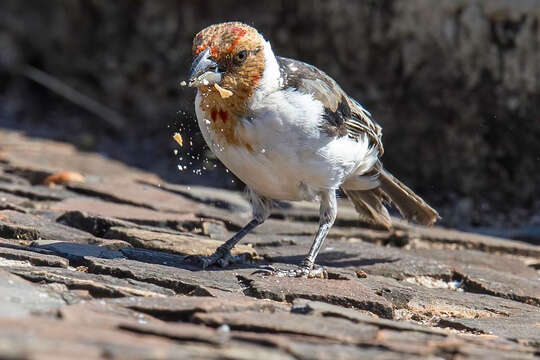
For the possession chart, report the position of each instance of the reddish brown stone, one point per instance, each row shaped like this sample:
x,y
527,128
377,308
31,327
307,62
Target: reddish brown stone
x,y
348,293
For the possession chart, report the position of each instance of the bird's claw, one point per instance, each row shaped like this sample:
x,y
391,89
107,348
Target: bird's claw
x,y
220,258
302,271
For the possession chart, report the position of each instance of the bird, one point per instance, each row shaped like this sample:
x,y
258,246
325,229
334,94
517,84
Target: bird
x,y
289,132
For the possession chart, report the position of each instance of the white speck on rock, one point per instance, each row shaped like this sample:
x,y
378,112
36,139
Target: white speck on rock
x,y
224,328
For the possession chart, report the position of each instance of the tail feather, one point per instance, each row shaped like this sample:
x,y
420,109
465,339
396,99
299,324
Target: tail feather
x,y
370,204
370,207
411,206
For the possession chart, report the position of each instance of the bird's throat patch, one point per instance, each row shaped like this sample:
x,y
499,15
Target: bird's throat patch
x,y
225,125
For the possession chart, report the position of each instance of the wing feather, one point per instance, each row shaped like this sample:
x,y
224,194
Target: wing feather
x,y
343,115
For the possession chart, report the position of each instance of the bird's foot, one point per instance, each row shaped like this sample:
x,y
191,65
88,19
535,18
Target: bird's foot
x,y
220,257
303,271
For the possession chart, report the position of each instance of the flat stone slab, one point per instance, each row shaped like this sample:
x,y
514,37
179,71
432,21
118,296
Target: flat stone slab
x,y
331,329
74,251
325,309
13,251
19,298
54,338
97,285
122,211
401,265
412,301
500,275
445,238
179,331
39,158
357,254
10,198
501,284
37,192
184,307
499,262
347,293
16,225
138,194
179,279
521,329
181,243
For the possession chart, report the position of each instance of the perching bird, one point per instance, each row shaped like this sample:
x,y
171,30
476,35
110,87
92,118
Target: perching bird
x,y
289,132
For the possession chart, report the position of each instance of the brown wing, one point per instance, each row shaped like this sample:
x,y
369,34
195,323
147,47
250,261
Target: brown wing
x,y
343,115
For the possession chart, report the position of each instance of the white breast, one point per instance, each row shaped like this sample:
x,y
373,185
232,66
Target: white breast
x,y
291,158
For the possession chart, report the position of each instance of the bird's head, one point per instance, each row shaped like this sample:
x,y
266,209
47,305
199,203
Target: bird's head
x,y
230,55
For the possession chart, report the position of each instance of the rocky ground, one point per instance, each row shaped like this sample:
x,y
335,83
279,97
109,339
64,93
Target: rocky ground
x,y
96,269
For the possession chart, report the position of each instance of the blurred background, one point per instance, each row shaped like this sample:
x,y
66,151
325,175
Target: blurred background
x,y
454,83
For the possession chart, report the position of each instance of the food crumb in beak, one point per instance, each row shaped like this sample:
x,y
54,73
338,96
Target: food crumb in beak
x,y
225,93
183,83
178,138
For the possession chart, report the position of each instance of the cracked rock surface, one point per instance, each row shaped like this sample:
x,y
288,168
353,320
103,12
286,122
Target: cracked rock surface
x,y
98,270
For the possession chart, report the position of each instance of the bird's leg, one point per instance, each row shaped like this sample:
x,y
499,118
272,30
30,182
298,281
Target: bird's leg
x,y
261,208
307,268
222,256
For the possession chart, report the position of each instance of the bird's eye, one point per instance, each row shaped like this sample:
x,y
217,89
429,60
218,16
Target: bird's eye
x,y
240,57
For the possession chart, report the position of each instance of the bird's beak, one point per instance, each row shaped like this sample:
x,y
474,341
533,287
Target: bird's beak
x,y
204,71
